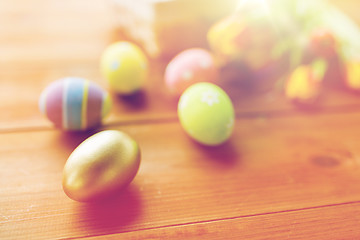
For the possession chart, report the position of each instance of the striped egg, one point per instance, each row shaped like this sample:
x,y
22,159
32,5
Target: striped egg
x,y
74,103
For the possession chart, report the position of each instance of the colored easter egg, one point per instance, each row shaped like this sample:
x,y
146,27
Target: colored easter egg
x,y
74,103
206,113
125,67
100,166
189,67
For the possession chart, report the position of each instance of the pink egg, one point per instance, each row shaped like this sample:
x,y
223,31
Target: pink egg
x,y
188,67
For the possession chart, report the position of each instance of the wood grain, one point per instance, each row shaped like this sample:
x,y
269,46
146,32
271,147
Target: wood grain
x,y
286,173
337,222
52,32
270,165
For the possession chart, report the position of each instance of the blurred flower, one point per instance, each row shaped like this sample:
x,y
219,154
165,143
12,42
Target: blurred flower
x,y
352,75
303,84
248,38
323,44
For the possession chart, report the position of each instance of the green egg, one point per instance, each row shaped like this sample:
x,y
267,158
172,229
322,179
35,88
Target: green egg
x,y
206,113
125,67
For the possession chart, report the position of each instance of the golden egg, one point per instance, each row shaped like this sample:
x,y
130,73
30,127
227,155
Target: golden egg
x,y
101,165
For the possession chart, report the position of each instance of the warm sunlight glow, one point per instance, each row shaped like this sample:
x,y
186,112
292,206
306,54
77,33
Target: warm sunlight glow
x,y
254,4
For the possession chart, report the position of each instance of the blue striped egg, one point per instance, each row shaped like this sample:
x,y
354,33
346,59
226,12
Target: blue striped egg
x,y
74,104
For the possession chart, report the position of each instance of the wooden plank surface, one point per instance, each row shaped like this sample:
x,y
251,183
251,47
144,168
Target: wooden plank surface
x,y
295,225
284,174
271,165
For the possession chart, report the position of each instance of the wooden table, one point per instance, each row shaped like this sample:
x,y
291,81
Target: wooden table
x,y
285,173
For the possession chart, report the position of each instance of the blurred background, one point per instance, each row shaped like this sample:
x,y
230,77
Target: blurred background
x,y
48,39
35,30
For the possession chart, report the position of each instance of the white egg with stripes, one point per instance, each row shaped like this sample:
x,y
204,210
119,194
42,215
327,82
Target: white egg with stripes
x,y
75,104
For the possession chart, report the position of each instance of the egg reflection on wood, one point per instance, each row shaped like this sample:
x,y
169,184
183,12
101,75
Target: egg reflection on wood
x,y
100,166
188,67
206,113
74,103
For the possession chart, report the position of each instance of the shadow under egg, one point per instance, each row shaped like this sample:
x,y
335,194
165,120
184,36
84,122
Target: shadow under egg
x,y
110,215
72,139
135,101
225,155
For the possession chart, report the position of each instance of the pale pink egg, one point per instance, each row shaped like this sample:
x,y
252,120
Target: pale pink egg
x,y
188,67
